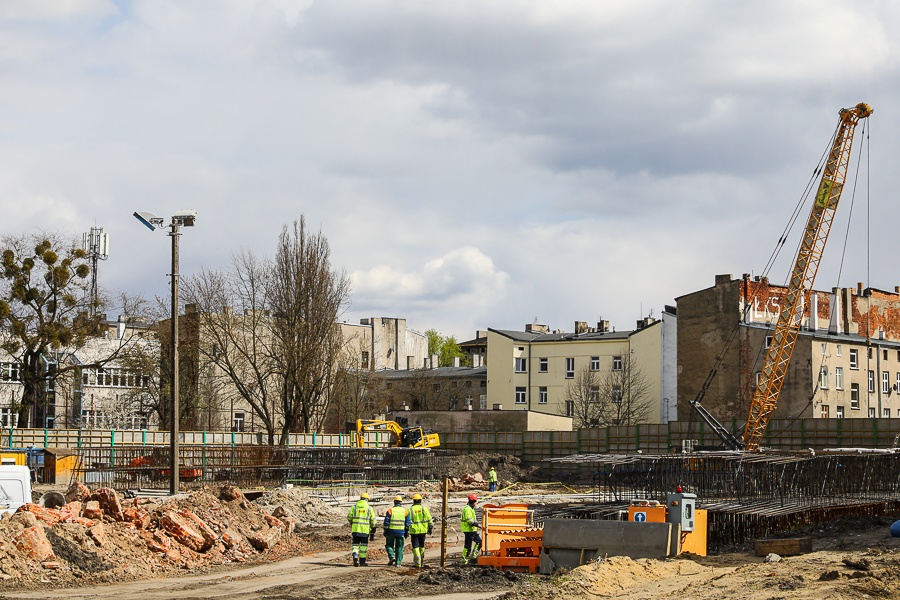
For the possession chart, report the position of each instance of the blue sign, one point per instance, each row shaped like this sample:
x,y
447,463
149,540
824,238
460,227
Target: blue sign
x,y
640,517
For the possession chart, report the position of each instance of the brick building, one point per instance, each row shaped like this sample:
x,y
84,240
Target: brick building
x,y
846,361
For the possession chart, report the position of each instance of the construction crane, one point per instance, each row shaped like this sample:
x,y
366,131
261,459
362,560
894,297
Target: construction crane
x,y
778,355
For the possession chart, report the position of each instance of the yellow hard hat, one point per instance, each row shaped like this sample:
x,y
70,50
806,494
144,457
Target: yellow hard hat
x,y
398,498
364,495
417,496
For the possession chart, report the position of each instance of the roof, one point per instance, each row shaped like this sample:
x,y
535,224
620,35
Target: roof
x,y
447,372
588,336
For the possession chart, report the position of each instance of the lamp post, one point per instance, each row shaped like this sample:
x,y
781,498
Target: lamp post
x,y
181,218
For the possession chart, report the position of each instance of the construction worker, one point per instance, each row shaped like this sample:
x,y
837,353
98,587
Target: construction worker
x,y
421,524
362,527
396,528
469,527
492,478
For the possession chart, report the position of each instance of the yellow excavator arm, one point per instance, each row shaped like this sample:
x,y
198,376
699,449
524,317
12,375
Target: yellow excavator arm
x,y
778,356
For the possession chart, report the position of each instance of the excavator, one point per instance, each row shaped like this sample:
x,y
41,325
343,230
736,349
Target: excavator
x,y
408,437
806,265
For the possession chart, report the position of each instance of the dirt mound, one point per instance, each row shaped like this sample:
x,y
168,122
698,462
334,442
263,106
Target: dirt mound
x,y
103,539
304,508
509,468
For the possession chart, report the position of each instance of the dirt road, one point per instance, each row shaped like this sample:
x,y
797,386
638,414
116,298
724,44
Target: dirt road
x,y
301,578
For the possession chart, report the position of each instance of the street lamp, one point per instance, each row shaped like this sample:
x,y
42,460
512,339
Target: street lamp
x,y
181,218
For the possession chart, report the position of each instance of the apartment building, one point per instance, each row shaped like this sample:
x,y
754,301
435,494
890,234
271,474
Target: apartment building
x,y
845,364
544,371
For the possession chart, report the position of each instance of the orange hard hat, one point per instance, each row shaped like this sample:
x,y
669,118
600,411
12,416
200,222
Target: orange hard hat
x,y
473,498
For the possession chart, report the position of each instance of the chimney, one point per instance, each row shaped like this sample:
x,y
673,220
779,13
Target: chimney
x,y
859,289
536,328
434,361
813,311
603,326
120,328
580,327
456,361
835,322
723,279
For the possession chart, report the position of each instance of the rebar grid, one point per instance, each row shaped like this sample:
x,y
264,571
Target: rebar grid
x,y
132,467
751,495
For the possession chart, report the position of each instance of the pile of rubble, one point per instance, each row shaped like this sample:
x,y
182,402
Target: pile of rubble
x,y
302,507
98,537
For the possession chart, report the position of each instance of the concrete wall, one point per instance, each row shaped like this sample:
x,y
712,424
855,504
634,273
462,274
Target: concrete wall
x,y
445,421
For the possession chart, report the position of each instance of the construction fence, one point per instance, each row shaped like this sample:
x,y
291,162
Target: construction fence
x,y
531,447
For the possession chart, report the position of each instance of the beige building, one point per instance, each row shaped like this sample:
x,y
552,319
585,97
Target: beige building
x,y
539,370
379,343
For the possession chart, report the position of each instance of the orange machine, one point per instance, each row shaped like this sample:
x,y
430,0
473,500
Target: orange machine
x,y
510,541
679,509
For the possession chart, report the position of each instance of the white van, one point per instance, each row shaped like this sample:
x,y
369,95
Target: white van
x,y
15,487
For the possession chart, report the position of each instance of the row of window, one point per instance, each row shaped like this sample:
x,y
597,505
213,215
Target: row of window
x,y
825,412
886,387
521,365
112,377
521,394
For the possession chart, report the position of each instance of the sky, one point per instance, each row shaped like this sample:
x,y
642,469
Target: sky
x,y
472,164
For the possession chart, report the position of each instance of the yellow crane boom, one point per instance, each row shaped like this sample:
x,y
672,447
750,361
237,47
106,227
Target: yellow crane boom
x,y
778,355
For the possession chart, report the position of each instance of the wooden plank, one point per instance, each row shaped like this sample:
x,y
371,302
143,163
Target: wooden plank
x,y
784,547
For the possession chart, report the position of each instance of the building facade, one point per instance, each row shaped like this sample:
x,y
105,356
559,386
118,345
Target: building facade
x,y
566,373
845,364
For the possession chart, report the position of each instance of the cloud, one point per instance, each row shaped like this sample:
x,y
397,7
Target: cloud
x,y
459,276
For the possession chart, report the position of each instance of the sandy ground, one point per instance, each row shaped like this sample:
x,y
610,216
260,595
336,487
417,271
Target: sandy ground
x,y
854,560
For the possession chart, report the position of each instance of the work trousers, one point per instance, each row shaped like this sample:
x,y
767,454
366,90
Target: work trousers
x,y
471,545
394,546
418,548
360,545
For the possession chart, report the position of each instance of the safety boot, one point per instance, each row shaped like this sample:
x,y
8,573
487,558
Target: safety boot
x,y
362,562
355,561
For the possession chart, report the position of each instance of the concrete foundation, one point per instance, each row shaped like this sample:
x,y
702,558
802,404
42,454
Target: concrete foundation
x,y
571,543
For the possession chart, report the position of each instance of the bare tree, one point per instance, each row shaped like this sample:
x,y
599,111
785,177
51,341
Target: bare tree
x,y
306,296
280,351
620,396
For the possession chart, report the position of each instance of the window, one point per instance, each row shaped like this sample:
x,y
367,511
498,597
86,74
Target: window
x,y
885,382
542,394
595,393
436,387
595,363
9,371
543,365
839,350
454,384
898,355
869,353
570,368
854,358
768,341
520,365
570,408
468,383
839,413
823,377
824,413
617,393
520,395
237,423
756,379
871,382
824,348
886,413
388,385
617,363
8,418
482,401
871,413
884,354
839,378
364,359
897,383
854,396
483,384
